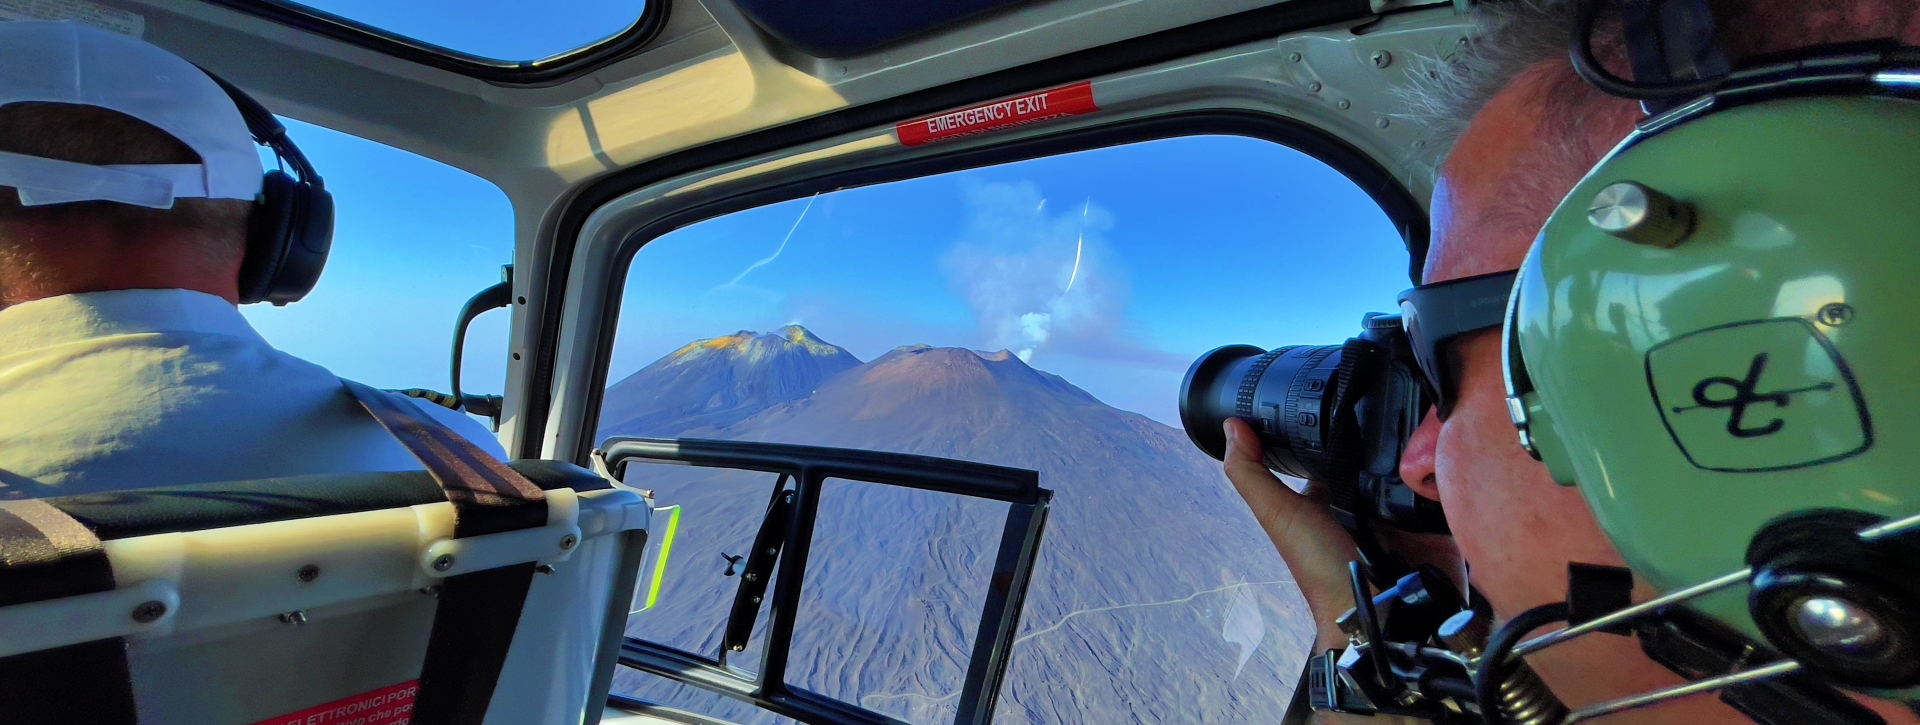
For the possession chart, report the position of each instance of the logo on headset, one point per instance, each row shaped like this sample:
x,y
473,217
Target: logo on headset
x,y
1763,395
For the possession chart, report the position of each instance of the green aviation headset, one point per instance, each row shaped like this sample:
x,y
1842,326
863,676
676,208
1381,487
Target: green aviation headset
x,y
1716,336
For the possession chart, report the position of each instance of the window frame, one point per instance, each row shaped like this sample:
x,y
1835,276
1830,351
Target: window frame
x,y
1408,216
543,71
808,468
563,229
1406,213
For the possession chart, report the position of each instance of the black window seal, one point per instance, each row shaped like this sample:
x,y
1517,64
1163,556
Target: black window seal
x,y
1167,45
1408,216
545,71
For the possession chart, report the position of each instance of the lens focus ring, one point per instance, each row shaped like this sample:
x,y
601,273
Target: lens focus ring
x,y
1250,384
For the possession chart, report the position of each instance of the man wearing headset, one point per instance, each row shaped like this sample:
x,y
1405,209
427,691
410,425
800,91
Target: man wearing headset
x,y
128,183
1532,129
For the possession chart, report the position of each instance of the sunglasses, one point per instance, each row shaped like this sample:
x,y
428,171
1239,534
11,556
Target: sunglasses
x,y
1435,314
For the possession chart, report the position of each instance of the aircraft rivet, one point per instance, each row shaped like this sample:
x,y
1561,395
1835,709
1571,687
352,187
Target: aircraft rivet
x,y
753,577
756,600
1294,56
308,573
1344,104
771,551
567,542
149,611
1383,123
1314,86
443,562
739,648
296,618
1382,59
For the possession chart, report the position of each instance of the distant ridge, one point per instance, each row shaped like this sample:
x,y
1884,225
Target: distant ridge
x,y
717,382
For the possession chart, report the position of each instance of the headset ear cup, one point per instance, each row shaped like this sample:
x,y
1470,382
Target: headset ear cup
x,y
288,238
267,231
311,239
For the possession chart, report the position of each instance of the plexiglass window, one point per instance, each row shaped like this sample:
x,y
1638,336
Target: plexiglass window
x,y
413,239
494,29
1037,315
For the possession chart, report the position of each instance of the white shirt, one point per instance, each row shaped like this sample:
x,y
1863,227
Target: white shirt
x,y
107,391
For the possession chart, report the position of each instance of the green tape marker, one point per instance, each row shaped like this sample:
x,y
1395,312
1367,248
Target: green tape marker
x,y
660,562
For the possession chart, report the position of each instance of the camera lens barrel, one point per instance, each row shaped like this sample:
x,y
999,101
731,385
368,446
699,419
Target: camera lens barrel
x,y
1285,395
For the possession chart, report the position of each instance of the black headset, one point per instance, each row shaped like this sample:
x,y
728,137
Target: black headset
x,y
291,228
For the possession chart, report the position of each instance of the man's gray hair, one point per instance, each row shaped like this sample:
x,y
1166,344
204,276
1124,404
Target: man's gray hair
x,y
1508,37
1511,36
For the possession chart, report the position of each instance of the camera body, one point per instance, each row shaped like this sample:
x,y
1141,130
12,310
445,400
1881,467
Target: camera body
x,y
1337,414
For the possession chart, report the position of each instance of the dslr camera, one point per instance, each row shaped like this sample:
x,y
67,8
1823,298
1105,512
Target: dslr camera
x,y
1337,414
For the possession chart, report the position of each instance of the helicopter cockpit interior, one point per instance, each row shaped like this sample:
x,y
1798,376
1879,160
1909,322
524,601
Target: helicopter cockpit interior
x,y
840,352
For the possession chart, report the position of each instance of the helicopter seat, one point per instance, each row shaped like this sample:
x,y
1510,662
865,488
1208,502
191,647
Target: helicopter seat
x,y
458,594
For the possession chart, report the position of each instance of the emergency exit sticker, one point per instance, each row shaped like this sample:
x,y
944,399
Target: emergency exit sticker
x,y
1046,105
392,705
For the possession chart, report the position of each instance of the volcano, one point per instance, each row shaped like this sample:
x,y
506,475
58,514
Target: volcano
x,y
1156,597
715,383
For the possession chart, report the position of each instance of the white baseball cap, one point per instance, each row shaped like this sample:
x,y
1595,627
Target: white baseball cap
x,y
67,62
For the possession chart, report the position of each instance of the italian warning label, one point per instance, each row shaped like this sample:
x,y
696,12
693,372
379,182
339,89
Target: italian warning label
x,y
392,705
1046,105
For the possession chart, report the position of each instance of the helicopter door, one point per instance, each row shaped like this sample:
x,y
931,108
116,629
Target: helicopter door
x,y
740,599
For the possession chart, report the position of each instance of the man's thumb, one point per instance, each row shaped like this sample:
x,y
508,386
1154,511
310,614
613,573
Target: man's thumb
x,y
1241,445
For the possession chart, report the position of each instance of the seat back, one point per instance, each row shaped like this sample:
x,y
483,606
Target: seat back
x,y
313,600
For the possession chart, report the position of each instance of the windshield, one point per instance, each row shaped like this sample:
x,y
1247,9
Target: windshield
x,y
1038,315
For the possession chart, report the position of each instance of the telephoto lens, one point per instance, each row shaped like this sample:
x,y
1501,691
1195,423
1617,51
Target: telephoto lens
x,y
1283,394
1338,414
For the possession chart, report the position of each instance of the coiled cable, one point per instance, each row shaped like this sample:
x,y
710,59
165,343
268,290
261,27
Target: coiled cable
x,y
1509,692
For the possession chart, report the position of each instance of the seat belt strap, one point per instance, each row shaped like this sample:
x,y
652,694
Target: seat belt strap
x,y
477,613
46,554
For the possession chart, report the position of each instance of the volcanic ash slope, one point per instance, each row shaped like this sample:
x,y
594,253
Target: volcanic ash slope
x,y
1152,583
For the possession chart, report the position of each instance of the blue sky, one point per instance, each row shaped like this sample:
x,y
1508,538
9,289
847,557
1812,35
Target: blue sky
x,y
502,29
1183,245
413,239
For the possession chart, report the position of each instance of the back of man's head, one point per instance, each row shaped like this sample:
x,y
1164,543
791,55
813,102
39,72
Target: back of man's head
x,y
122,166
98,239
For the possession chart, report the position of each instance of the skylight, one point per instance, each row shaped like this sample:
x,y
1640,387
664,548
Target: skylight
x,y
501,30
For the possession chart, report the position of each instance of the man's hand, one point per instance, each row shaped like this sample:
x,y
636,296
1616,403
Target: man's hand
x,y
1314,546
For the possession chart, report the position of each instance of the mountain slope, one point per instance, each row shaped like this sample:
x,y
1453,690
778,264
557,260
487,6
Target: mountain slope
x,y
1148,562
721,381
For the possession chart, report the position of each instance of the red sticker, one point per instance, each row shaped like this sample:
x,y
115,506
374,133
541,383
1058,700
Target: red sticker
x,y
1047,105
391,705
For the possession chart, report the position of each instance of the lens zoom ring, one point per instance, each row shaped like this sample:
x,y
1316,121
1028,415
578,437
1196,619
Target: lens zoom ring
x,y
1297,386
1250,383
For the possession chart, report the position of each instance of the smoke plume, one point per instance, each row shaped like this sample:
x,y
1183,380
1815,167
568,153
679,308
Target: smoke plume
x,y
1035,279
